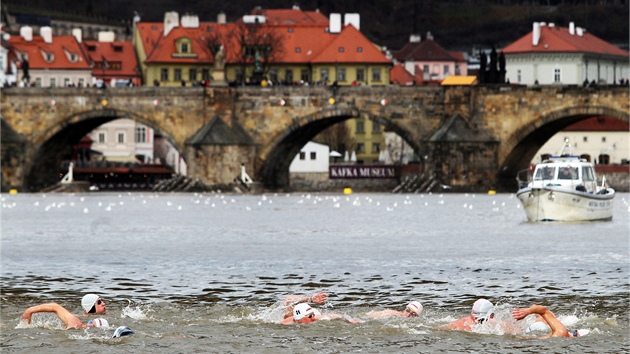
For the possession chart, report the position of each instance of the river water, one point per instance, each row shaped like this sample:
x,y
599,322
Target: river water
x,y
199,273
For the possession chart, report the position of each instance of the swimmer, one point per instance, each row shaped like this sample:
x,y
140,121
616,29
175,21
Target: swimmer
x,y
93,304
291,300
304,313
482,312
70,320
541,312
413,309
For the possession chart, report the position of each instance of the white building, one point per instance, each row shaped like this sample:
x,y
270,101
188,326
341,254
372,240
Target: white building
x,y
566,56
313,157
600,138
124,140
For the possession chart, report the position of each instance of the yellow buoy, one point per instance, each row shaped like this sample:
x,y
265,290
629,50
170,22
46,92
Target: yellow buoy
x,y
492,191
347,191
13,191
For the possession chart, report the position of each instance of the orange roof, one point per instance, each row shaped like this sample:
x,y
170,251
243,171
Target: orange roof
x,y
457,80
291,17
601,123
349,46
558,39
399,76
114,52
159,48
62,49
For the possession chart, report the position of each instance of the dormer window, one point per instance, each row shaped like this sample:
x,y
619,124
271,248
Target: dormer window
x,y
48,57
91,48
183,47
72,57
117,48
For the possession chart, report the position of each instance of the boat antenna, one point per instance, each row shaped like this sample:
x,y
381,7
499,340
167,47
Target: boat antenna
x,y
566,148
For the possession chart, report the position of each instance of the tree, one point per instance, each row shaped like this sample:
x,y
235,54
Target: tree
x,y
338,138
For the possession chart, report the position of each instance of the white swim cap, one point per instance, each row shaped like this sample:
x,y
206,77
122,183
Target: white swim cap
x,y
581,332
99,322
301,310
482,309
415,307
88,301
537,326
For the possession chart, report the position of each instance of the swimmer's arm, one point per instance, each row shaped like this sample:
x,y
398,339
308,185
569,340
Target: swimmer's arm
x,y
318,298
557,328
70,320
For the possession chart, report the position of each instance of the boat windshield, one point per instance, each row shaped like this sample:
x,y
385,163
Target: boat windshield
x,y
545,173
587,174
568,173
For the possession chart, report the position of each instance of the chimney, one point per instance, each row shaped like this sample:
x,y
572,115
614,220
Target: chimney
x,y
171,20
429,36
579,31
106,36
46,33
335,23
190,21
27,33
78,34
296,7
572,28
221,18
536,34
352,19
414,38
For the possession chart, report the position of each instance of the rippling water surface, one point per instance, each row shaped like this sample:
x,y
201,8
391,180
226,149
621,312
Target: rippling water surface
x,y
207,272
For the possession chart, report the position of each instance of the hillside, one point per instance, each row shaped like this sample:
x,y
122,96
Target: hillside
x,y
455,24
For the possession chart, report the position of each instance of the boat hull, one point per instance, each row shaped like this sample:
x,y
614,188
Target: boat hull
x,y
549,204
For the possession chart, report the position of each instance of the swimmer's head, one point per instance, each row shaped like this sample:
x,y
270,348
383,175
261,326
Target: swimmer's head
x,y
98,322
88,301
581,332
482,309
302,310
414,308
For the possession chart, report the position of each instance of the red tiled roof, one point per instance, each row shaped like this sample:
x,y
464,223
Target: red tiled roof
x,y
399,76
599,124
118,51
427,50
159,48
291,17
349,46
558,39
60,47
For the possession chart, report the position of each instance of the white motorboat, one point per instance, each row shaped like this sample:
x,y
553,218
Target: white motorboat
x,y
564,188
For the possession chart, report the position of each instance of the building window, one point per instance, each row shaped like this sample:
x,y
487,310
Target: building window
x,y
324,75
102,138
141,134
302,155
603,139
360,75
184,47
360,127
304,75
376,75
273,75
341,49
290,30
585,139
81,82
360,49
177,74
376,147
121,138
341,75
192,75
298,49
313,155
205,75
425,69
38,82
288,76
53,82
376,128
458,70
164,74
360,148
518,76
556,75
446,70
66,82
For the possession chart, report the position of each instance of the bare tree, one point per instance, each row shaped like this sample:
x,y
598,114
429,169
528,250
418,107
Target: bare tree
x,y
338,138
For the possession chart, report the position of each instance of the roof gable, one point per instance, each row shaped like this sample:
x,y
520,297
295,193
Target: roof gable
x,y
559,39
350,46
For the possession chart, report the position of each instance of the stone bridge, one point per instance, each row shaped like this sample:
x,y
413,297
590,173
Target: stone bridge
x,y
472,138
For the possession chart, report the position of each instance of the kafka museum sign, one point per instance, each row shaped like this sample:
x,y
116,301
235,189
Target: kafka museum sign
x,y
361,171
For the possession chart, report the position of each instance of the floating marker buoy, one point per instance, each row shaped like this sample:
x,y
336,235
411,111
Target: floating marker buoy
x,y
347,191
492,191
13,191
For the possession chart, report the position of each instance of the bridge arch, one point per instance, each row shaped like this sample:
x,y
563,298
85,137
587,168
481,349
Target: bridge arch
x,y
274,161
55,144
523,144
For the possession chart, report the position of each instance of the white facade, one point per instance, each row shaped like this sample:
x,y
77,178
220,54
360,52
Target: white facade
x,y
60,77
313,157
614,144
563,69
122,140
